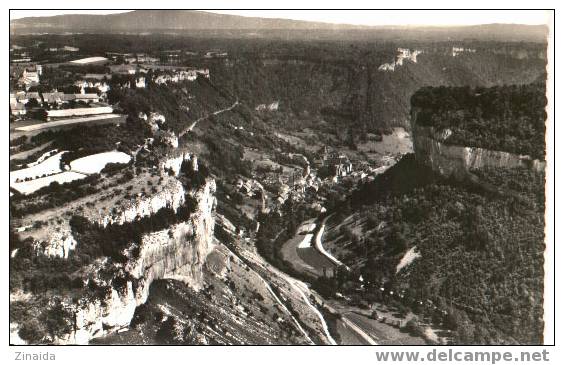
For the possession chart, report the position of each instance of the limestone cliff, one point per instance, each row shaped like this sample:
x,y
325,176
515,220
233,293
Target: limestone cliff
x,y
432,149
171,195
177,252
174,163
165,253
60,243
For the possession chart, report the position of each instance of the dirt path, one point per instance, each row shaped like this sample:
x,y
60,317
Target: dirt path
x,y
217,112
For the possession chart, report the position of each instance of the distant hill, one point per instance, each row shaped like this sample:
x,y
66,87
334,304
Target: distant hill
x,y
186,21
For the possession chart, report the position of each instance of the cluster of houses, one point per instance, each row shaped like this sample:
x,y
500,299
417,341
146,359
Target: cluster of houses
x,y
180,75
63,49
89,94
456,51
339,164
215,53
92,88
401,55
268,107
18,54
27,74
131,58
170,56
19,100
56,104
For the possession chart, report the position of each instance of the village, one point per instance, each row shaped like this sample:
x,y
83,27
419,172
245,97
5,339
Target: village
x,y
52,95
314,178
72,91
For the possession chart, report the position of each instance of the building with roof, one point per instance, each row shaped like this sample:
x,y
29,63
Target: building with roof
x,y
29,78
53,97
123,69
64,113
90,61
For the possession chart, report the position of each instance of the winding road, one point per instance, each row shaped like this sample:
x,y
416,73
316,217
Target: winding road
x,y
217,112
321,249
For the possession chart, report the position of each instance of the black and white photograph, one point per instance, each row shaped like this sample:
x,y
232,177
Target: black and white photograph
x,y
280,177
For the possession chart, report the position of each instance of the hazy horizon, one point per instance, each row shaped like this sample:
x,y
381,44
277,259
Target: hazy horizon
x,y
354,17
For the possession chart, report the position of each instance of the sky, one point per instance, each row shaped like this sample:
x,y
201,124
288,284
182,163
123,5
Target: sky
x,y
360,17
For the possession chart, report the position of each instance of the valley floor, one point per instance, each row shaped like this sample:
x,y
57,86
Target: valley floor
x,y
351,325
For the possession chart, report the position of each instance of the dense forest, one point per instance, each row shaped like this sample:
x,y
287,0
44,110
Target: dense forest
x,y
481,253
336,81
506,118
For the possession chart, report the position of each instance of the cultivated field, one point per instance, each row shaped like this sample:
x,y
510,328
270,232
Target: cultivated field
x,y
43,166
95,163
28,187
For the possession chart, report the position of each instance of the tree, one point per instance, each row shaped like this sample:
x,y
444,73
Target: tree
x,y
30,331
396,239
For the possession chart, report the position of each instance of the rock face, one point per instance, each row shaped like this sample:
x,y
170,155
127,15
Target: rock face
x,y
401,55
170,196
174,164
60,244
432,149
165,254
177,252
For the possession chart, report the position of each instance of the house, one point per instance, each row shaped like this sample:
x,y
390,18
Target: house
x,y
123,69
53,98
180,75
17,108
103,87
62,113
270,107
140,82
29,78
143,58
68,97
115,56
130,59
215,54
34,95
387,67
88,98
97,76
459,50
341,166
21,96
90,61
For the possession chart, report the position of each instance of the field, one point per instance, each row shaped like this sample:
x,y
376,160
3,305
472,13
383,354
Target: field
x,y
50,165
23,154
28,187
95,163
32,127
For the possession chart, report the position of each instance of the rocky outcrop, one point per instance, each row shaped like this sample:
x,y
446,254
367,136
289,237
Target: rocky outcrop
x,y
178,252
432,149
164,254
59,244
171,195
270,107
174,164
167,138
59,240
155,121
401,55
